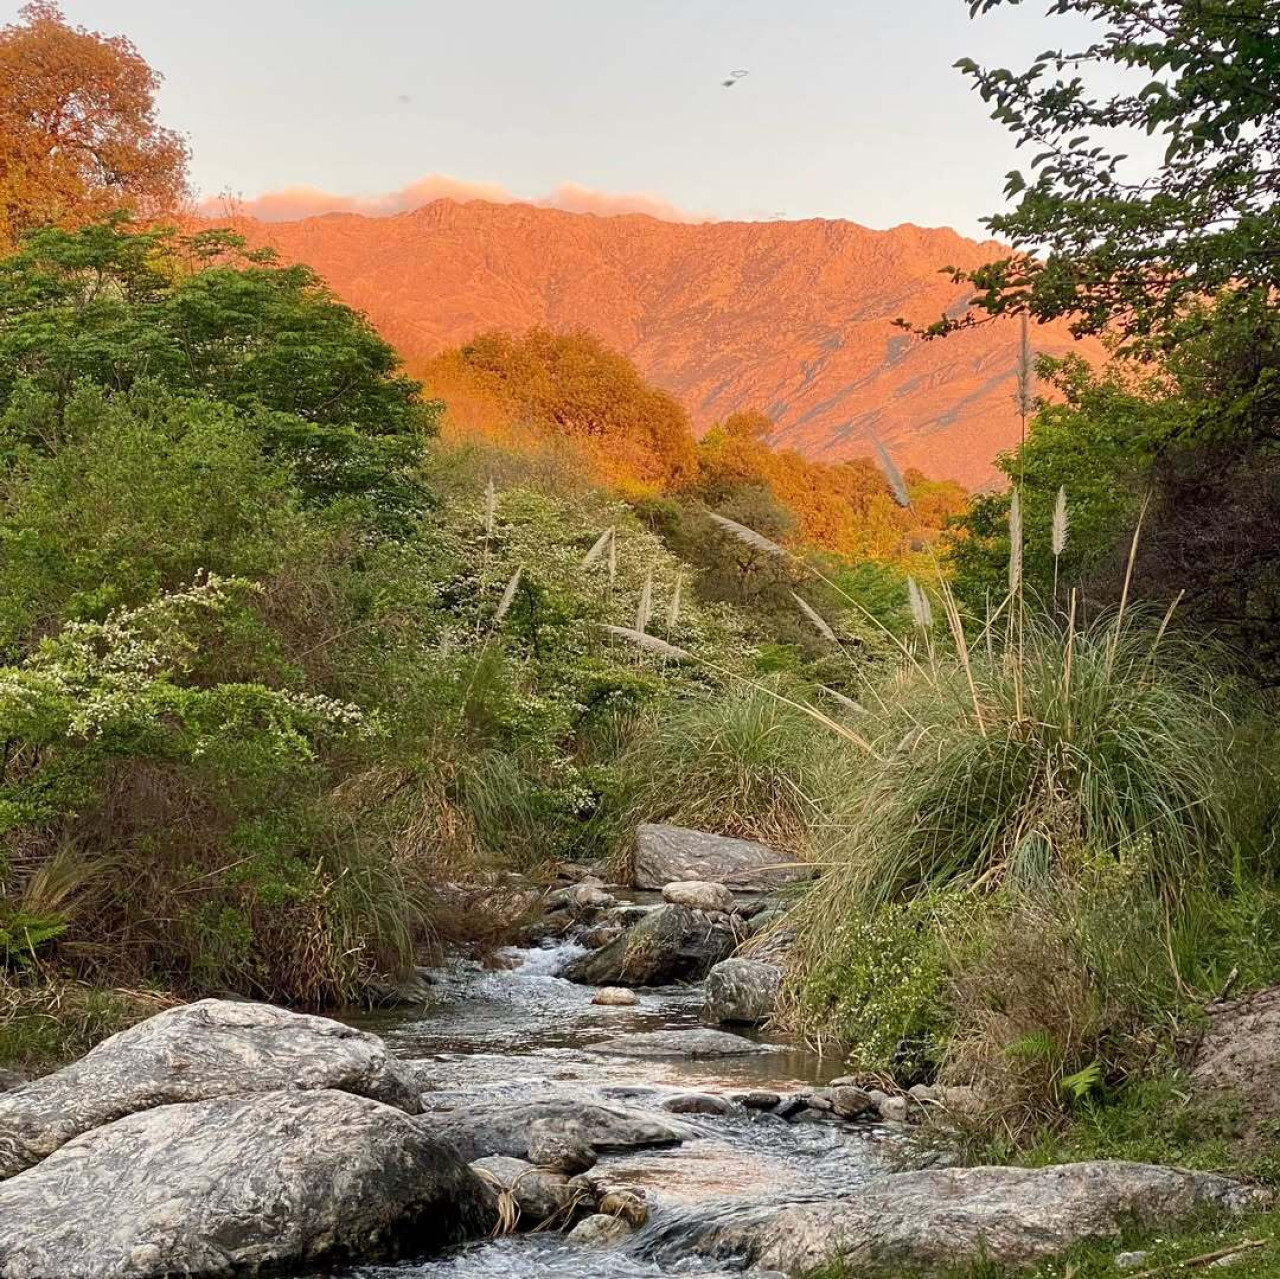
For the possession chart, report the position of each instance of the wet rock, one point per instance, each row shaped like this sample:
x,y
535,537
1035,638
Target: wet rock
x,y
487,1128
667,945
665,854
10,1079
625,1203
789,1107
541,1197
691,1044
759,1100
616,997
238,1184
601,935
549,1146
949,1217
213,1048
698,1103
598,1231
744,991
412,988
699,894
851,1103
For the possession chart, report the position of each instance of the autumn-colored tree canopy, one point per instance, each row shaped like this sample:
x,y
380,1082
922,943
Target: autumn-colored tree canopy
x,y
574,386
517,391
78,132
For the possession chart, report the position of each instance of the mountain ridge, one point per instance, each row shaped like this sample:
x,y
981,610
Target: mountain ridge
x,y
793,318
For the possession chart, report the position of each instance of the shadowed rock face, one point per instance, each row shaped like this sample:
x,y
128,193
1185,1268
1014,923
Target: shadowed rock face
x,y
236,1184
670,944
213,1048
669,854
945,1217
1239,1056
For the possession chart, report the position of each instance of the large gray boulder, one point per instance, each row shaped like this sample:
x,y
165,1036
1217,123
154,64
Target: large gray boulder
x,y
947,1217
666,854
743,991
691,1044
214,1048
518,1128
235,1185
669,944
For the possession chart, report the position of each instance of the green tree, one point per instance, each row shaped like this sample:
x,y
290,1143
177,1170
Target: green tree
x,y
1098,238
110,305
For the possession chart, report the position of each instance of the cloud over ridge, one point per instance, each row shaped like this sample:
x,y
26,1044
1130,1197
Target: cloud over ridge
x,y
292,203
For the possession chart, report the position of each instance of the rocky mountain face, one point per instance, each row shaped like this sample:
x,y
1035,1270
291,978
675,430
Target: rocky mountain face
x,y
794,318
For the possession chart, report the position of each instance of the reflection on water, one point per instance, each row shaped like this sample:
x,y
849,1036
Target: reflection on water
x,y
523,1031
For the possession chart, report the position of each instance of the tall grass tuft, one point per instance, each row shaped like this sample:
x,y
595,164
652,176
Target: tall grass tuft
x,y
1059,749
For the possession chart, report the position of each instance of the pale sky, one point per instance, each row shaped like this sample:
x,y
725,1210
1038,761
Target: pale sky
x,y
851,108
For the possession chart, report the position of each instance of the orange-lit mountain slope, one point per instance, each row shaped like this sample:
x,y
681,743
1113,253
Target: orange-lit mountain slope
x,y
793,318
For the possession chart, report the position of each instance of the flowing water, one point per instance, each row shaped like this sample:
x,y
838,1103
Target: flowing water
x,y
523,1031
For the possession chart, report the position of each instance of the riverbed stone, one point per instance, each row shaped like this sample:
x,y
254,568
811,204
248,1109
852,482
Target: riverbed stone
x,y
743,991
948,1217
551,1147
10,1079
698,1103
615,997
665,854
851,1103
541,1196
666,945
699,894
691,1044
598,1231
213,1048
238,1185
504,1128
759,1099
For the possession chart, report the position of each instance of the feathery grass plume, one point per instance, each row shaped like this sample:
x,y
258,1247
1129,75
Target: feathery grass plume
x,y
747,535
892,474
490,507
651,642
1058,536
1026,374
1060,522
508,596
673,613
644,610
820,623
921,608
598,548
1015,543
856,707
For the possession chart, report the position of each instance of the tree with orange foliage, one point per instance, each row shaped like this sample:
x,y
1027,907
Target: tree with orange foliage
x,y
576,387
78,131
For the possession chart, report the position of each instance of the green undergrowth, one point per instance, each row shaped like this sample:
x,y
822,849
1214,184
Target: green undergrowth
x,y
1187,1250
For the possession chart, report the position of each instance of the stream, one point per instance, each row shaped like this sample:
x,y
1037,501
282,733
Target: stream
x,y
523,1032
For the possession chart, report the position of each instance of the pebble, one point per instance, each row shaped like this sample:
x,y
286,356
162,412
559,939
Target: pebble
x,y
615,997
1131,1260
